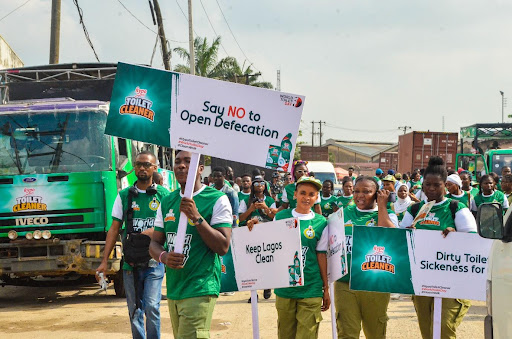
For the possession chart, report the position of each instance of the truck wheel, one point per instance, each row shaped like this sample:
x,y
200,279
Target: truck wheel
x,y
119,285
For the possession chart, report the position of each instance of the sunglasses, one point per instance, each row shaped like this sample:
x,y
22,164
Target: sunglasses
x,y
146,164
258,184
300,162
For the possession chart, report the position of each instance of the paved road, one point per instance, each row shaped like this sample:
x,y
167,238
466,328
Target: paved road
x,y
84,312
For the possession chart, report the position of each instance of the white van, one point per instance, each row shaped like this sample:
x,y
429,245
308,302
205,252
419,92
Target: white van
x,y
491,225
323,170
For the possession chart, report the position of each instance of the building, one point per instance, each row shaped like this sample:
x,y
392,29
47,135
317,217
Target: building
x,y
8,59
343,151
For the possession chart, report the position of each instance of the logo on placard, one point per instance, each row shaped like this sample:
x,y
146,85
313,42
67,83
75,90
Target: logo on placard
x,y
29,202
138,105
378,261
290,100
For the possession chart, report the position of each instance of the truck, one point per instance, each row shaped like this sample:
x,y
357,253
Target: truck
x,y
416,148
322,170
493,225
60,174
485,148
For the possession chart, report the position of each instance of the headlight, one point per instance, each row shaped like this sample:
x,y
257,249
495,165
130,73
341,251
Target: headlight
x,y
37,235
488,296
29,236
47,234
12,234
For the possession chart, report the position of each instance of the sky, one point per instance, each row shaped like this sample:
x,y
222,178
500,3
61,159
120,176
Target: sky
x,y
366,67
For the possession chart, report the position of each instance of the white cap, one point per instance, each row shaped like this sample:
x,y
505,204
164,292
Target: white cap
x,y
455,179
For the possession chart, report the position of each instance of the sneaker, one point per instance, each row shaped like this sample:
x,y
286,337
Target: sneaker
x,y
249,301
228,293
267,293
396,296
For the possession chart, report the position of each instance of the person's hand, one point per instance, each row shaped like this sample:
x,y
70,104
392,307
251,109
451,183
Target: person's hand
x,y
261,205
101,269
251,222
382,197
448,230
326,300
188,206
173,260
412,227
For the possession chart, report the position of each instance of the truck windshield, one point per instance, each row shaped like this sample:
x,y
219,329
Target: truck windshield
x,y
51,142
499,161
322,176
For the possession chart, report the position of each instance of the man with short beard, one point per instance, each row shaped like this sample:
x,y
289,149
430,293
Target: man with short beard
x,y
142,281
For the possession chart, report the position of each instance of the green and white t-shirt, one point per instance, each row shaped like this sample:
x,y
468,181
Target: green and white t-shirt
x,y
144,206
440,217
288,196
354,216
314,237
243,197
464,198
345,201
200,274
327,204
496,196
256,213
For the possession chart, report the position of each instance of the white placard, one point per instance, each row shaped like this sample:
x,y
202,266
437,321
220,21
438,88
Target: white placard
x,y
337,265
269,256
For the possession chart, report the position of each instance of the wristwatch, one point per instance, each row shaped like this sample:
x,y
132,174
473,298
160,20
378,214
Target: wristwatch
x,y
199,221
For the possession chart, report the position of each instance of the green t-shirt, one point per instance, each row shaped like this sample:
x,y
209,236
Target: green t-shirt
x,y
415,186
327,205
144,211
200,275
243,197
439,217
269,201
314,240
465,198
497,196
355,217
344,201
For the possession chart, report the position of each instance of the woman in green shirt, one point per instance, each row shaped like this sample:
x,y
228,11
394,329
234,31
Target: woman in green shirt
x,y
328,201
356,308
455,192
440,218
488,193
348,190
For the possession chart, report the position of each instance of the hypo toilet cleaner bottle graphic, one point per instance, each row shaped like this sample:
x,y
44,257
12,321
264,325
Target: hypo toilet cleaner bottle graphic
x,y
284,157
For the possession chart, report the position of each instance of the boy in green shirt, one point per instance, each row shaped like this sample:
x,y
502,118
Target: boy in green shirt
x,y
193,277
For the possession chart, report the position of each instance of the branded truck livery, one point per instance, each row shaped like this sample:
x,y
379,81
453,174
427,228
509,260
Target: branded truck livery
x,y
60,174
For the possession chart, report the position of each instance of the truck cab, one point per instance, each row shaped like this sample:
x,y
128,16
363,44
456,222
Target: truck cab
x,y
492,225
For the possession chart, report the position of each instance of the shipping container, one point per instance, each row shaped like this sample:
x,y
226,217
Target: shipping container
x,y
416,148
317,153
388,160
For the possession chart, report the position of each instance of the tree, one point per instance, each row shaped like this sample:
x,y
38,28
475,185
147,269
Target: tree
x,y
228,68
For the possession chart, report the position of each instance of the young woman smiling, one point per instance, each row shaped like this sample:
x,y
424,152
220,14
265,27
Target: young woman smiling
x,y
440,218
354,308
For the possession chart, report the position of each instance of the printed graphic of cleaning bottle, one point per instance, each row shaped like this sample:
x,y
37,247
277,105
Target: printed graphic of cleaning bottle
x,y
296,262
284,158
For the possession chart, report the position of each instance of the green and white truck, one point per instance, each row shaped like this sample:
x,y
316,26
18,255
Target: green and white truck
x,y
59,172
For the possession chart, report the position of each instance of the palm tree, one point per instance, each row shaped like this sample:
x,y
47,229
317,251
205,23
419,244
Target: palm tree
x,y
206,64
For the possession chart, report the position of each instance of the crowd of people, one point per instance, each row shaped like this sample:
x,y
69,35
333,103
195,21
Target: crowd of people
x,y
147,216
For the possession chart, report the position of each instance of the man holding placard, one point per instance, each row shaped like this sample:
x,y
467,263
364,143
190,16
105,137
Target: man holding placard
x,y
193,278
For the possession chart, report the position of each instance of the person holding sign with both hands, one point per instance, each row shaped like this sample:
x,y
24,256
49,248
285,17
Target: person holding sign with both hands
x,y
299,309
447,215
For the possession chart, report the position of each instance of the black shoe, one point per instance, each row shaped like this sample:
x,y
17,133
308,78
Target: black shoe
x,y
267,293
249,301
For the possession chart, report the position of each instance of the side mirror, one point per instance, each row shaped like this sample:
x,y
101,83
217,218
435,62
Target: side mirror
x,y
489,221
121,166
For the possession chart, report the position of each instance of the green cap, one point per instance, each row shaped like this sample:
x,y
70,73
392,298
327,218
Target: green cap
x,y
389,177
310,180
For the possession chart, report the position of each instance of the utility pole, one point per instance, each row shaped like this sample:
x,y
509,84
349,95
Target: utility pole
x,y
55,32
312,133
502,106
161,33
404,128
321,122
278,86
192,60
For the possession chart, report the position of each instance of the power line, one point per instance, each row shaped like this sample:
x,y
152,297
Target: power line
x,y
204,9
148,28
360,130
80,14
14,10
252,64
185,16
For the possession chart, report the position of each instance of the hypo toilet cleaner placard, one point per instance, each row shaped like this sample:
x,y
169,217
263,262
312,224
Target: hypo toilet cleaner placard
x,y
223,119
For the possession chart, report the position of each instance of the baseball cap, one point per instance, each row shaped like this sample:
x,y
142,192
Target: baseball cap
x,y
310,180
389,177
398,175
378,171
391,171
